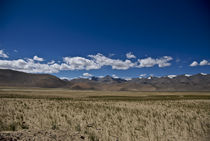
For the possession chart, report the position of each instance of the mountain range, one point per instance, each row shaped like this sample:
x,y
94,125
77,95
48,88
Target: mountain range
x,y
197,82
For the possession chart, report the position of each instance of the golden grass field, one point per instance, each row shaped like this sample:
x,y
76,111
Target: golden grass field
x,y
62,114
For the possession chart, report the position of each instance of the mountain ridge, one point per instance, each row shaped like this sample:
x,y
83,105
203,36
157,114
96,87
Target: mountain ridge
x,y
197,82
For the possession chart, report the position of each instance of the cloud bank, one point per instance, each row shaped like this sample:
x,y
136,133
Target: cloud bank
x,y
97,61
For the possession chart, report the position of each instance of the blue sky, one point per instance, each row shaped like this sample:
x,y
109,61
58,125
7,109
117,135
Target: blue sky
x,y
164,36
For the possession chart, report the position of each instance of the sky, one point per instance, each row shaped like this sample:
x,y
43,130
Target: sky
x,y
80,38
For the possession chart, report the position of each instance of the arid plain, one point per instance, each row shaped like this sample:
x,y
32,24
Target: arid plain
x,y
62,114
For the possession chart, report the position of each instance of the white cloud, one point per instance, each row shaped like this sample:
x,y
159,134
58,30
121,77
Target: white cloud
x,y
28,66
115,76
3,55
87,74
36,58
150,62
80,63
194,63
202,63
97,61
129,55
51,62
102,60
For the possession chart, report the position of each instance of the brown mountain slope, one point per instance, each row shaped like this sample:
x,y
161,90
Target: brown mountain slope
x,y
21,79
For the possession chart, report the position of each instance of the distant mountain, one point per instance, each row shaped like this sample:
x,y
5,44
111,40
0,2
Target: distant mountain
x,y
198,82
21,79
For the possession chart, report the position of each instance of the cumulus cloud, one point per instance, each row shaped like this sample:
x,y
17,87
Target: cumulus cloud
x,y
102,60
87,74
80,63
202,63
129,55
150,62
36,58
3,54
194,63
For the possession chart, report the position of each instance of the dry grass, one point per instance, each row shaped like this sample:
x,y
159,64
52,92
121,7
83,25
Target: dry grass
x,y
85,117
